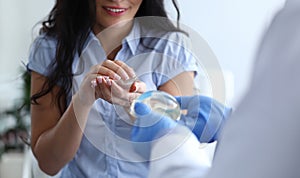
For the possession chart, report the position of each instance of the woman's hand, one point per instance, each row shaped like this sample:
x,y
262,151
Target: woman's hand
x,y
116,83
115,70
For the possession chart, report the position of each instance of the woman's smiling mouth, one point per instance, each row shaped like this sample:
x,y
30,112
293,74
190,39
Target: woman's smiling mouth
x,y
115,11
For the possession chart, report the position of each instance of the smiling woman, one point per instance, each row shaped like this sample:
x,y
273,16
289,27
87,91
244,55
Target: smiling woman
x,y
83,131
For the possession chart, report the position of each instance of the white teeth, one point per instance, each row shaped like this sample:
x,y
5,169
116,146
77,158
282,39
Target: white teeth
x,y
116,10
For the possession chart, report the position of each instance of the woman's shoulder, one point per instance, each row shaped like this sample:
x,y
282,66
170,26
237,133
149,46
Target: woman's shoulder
x,y
44,41
42,49
175,40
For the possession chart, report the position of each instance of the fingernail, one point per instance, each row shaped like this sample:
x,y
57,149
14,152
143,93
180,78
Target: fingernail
x,y
93,83
99,79
108,82
133,88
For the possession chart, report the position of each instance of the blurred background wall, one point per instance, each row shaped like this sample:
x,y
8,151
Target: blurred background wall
x,y
233,29
17,19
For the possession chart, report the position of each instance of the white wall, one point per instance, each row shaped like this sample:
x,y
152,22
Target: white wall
x,y
17,19
232,28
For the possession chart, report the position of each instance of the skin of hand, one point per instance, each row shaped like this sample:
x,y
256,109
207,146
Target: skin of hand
x,y
110,82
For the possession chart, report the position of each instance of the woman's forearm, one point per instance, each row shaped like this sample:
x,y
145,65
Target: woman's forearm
x,y
57,146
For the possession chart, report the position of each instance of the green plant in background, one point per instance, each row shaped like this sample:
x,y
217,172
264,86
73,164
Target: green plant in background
x,y
15,138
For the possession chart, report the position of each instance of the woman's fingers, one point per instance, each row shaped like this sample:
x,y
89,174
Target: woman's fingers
x,y
103,89
121,96
129,71
116,82
138,87
116,70
110,91
120,68
111,65
104,71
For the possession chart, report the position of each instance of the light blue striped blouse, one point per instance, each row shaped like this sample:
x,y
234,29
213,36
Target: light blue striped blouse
x,y
105,149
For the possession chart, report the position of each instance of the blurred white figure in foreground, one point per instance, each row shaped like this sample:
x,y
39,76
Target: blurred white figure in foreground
x,y
260,140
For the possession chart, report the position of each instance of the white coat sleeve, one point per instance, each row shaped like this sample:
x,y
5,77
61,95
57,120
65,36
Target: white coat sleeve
x,y
179,154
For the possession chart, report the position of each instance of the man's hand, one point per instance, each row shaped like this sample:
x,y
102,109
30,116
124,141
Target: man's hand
x,y
148,126
205,116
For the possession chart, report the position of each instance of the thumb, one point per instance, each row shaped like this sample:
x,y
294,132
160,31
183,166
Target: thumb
x,y
145,117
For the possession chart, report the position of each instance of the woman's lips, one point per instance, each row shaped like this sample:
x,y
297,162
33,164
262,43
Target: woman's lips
x,y
115,11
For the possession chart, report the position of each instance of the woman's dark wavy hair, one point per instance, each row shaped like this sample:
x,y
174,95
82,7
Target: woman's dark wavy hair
x,y
70,22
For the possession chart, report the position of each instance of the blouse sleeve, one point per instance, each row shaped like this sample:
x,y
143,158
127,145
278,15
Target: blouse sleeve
x,y
42,54
177,57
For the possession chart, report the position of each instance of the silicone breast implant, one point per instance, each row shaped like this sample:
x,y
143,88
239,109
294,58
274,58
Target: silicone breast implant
x,y
160,102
